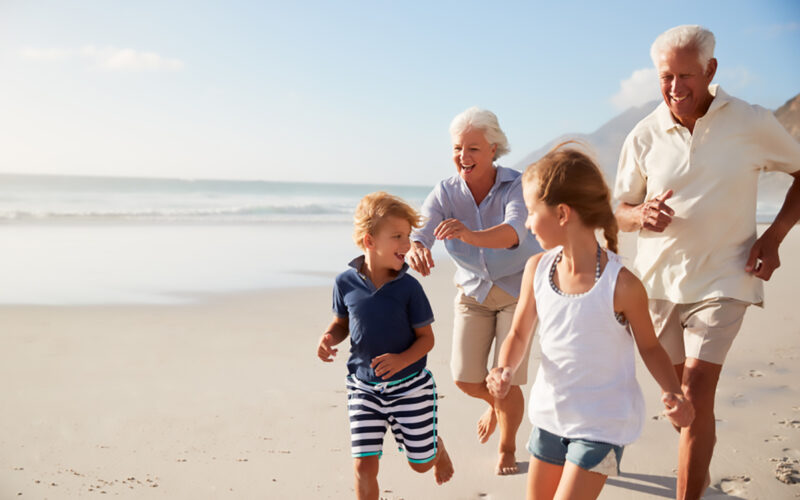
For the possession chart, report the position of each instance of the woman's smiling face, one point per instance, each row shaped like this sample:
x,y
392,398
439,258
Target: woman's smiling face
x,y
472,153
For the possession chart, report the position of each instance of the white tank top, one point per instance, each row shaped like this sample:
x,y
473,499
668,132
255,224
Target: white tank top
x,y
586,384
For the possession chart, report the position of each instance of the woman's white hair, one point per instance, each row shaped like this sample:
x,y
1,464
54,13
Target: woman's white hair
x,y
486,121
687,35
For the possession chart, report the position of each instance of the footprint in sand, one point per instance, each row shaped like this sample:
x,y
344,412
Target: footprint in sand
x,y
740,400
755,373
775,439
734,485
786,470
795,424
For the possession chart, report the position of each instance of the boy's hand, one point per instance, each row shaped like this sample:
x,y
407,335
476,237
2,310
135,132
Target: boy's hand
x,y
499,382
679,409
325,351
387,365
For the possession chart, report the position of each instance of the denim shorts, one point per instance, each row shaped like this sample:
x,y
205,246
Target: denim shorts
x,y
593,456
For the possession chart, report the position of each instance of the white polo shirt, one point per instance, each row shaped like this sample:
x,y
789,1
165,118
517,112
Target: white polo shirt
x,y
714,175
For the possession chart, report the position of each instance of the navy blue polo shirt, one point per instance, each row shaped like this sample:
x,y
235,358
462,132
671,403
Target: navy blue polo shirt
x,y
381,321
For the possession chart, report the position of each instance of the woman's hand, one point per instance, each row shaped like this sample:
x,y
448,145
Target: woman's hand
x,y
450,229
679,409
419,258
499,382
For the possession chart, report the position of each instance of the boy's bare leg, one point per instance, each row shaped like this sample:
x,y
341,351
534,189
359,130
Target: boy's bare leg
x,y
366,472
441,464
510,411
507,413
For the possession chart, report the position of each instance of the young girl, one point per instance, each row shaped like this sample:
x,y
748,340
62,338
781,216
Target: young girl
x,y
585,404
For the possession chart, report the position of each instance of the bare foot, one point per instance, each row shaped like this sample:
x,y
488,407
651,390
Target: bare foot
x,y
506,464
486,425
443,470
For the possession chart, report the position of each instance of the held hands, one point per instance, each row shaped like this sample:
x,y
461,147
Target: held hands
x,y
420,259
325,351
452,229
387,365
656,215
679,409
763,259
499,382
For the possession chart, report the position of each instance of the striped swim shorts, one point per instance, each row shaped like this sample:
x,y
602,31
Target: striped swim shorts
x,y
407,405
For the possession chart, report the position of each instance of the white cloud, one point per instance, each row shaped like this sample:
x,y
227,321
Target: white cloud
x,y
641,87
109,58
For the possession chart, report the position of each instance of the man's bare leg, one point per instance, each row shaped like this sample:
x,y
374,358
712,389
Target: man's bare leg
x,y
699,380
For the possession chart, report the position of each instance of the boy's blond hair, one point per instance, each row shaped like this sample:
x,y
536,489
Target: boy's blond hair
x,y
374,208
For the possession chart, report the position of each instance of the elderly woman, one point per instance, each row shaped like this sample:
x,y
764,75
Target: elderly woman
x,y
480,215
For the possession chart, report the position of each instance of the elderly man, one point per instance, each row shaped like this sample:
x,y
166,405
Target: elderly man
x,y
687,181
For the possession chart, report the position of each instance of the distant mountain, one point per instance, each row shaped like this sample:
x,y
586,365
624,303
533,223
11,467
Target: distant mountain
x,y
606,143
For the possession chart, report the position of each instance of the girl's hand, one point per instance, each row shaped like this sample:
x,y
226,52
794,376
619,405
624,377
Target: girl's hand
x,y
325,351
679,409
387,365
499,382
452,229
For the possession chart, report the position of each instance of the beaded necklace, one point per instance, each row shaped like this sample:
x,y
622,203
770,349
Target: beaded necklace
x,y
619,316
553,272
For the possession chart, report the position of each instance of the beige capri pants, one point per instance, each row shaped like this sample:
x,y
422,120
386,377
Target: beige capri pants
x,y
475,326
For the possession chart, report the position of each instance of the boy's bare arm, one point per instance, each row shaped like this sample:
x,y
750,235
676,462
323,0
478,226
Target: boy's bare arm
x,y
336,332
387,365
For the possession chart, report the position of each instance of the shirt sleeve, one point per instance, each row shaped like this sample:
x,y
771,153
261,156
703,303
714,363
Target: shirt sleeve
x,y
630,185
419,309
339,307
781,151
433,212
516,212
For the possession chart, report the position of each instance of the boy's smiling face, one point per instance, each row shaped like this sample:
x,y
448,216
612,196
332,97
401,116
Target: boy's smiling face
x,y
388,247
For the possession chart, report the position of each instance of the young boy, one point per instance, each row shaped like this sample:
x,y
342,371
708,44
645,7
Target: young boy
x,y
389,321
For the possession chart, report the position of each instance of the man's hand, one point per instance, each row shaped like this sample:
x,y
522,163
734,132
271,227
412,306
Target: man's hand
x,y
325,351
420,259
679,410
387,365
499,382
763,259
656,215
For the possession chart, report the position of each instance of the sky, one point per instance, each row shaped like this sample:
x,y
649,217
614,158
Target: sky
x,y
343,91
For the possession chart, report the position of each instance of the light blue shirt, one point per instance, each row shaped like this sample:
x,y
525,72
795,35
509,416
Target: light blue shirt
x,y
477,269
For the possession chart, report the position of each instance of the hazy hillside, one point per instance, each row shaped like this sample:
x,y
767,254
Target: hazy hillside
x,y
607,140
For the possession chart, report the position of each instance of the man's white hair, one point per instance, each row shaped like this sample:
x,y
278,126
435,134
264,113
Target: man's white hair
x,y
486,121
687,35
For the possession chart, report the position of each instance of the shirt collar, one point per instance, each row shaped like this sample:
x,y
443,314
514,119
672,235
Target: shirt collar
x,y
667,122
359,261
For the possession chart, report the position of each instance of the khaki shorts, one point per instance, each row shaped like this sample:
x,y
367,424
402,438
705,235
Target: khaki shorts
x,y
475,327
702,330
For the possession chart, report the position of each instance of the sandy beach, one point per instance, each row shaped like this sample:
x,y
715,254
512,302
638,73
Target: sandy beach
x,y
225,398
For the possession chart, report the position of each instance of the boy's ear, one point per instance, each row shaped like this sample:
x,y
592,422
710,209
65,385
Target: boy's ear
x,y
368,241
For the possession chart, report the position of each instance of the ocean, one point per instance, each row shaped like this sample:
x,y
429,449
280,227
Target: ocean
x,y
103,240
109,240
